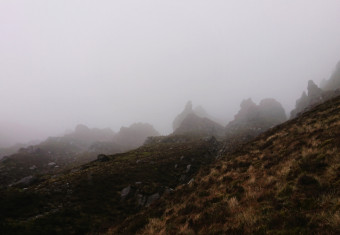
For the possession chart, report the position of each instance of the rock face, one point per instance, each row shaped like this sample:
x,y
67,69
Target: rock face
x,y
135,135
195,125
316,95
179,119
198,111
329,89
253,119
333,82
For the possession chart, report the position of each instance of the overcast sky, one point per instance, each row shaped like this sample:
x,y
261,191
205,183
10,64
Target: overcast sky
x,y
113,63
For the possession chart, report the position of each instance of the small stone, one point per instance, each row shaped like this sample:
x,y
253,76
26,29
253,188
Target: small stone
x,y
125,191
33,167
51,164
188,168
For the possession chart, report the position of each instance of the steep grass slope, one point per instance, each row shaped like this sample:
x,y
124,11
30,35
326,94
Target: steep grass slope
x,y
89,199
286,181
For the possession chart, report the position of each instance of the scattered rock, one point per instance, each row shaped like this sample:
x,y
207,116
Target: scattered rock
x,y
125,191
25,181
33,167
152,199
51,164
191,181
141,199
188,168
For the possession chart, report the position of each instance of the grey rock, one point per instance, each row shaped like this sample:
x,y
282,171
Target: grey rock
x,y
33,167
141,199
191,181
125,191
25,181
188,168
152,199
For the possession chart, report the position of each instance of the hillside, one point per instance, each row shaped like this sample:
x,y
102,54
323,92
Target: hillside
x,y
286,181
78,147
102,193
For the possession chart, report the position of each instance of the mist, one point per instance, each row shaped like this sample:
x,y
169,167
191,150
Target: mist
x,y
114,63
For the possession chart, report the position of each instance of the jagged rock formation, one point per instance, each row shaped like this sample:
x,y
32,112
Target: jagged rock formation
x,y
78,147
253,119
333,82
329,89
179,119
199,111
135,135
283,182
314,97
195,125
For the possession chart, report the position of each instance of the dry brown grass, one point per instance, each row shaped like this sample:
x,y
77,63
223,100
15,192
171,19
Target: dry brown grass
x,y
281,183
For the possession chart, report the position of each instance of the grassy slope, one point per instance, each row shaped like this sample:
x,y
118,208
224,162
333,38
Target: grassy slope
x,y
286,181
88,199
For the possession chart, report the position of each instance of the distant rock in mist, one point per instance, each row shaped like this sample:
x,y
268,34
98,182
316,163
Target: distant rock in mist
x,y
195,125
135,135
329,89
180,117
188,109
78,140
333,82
253,119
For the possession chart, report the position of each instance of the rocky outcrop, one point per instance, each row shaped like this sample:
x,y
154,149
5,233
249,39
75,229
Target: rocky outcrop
x,y
135,135
328,89
314,97
179,119
333,82
254,119
195,125
198,111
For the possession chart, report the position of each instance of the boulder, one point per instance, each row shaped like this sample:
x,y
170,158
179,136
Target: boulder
x,y
102,158
151,199
26,181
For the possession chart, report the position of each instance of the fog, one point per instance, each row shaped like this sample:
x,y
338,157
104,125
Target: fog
x,y
113,63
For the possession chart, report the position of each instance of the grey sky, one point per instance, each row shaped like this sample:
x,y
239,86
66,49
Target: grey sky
x,y
112,63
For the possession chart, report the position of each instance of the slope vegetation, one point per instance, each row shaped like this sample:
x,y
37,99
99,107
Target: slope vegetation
x,y
90,198
286,181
